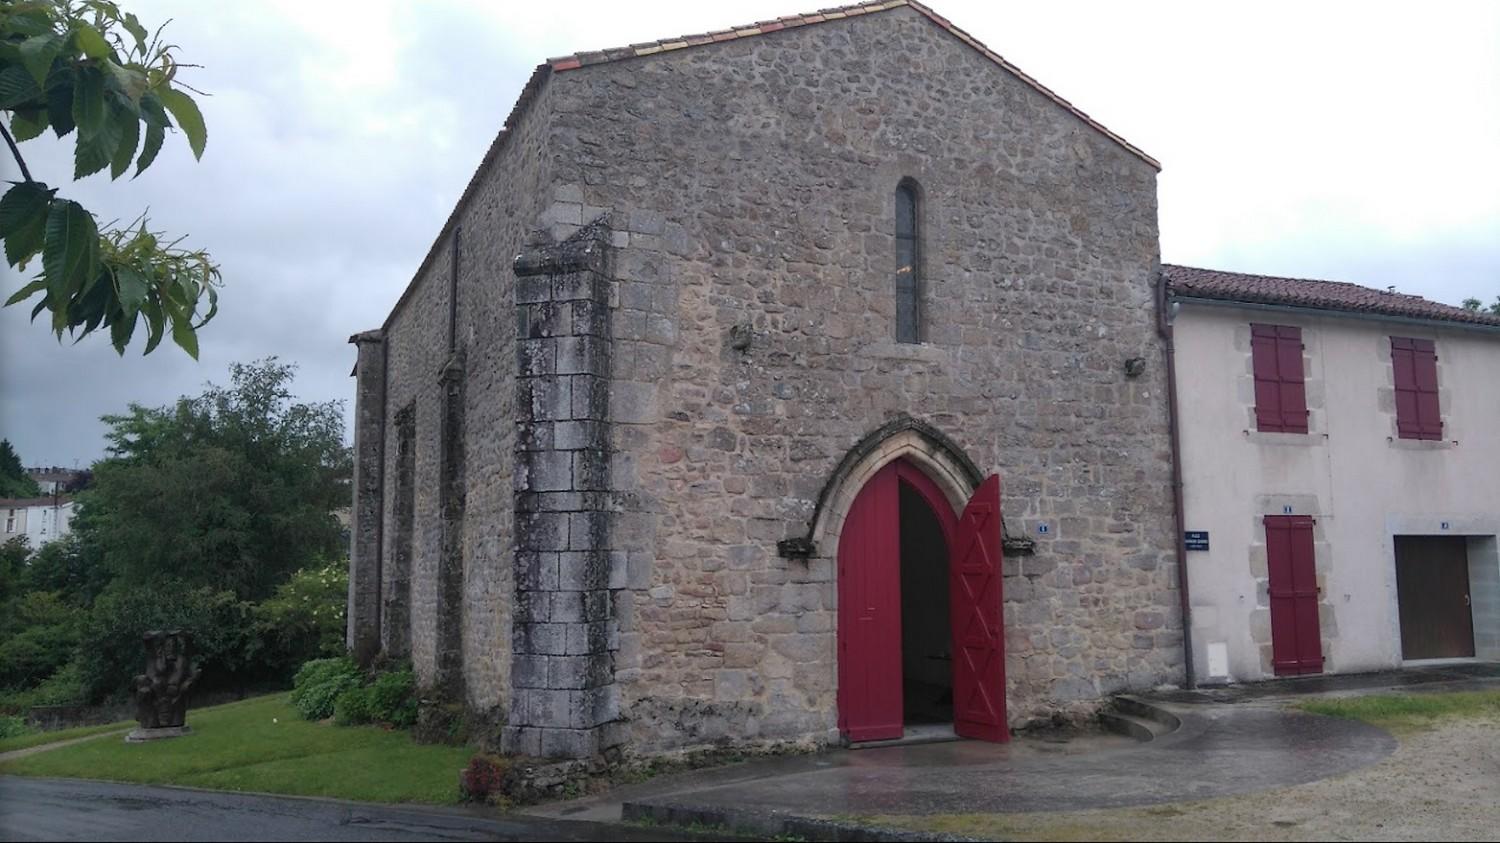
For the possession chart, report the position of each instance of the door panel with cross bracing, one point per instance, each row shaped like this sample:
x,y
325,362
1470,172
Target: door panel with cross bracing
x,y
977,600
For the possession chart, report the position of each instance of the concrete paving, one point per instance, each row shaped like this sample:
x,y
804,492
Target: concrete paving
x,y
69,809
1219,750
1232,740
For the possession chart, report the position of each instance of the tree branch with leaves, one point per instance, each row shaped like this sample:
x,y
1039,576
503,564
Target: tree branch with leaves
x,y
1478,306
89,70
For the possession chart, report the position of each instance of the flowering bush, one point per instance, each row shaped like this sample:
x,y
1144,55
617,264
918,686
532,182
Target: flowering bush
x,y
483,779
304,619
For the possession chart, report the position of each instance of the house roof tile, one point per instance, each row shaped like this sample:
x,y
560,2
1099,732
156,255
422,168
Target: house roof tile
x,y
1194,282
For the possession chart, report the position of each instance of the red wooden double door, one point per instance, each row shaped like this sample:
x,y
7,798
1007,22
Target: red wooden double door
x,y
870,692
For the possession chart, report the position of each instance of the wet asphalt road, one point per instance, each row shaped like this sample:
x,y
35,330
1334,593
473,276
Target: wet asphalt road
x,y
56,809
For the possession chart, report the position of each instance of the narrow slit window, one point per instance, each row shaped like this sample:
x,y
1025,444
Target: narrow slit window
x,y
908,284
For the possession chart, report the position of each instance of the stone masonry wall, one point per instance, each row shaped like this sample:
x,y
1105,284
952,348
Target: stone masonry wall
x,y
564,635
751,185
502,209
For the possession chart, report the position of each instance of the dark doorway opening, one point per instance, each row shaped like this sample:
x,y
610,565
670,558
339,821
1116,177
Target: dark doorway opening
x,y
1432,593
926,634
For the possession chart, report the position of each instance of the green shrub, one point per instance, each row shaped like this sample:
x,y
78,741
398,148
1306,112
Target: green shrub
x,y
319,683
352,708
390,699
65,687
40,635
11,727
112,651
393,698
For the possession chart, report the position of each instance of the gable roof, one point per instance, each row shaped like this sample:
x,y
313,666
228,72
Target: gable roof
x,y
1193,282
681,42
544,71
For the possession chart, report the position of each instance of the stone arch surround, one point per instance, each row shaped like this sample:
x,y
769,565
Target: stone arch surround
x,y
920,444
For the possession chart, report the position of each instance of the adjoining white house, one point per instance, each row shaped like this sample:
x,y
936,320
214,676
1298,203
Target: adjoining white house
x,y
1340,451
39,520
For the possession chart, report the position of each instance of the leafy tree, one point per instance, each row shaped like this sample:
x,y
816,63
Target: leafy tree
x,y
14,481
1478,306
64,566
84,65
13,556
111,651
40,635
234,489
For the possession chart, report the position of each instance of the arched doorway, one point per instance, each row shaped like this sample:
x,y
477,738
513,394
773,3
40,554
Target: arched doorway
x,y
919,609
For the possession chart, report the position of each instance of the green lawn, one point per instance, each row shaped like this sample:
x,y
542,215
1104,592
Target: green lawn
x,y
263,745
38,738
1408,711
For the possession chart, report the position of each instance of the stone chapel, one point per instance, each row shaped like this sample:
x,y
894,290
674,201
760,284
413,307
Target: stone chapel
x,y
794,382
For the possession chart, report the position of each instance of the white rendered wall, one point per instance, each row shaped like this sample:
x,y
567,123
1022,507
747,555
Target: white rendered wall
x,y
1361,483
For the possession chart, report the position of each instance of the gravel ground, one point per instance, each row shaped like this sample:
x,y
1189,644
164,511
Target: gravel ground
x,y
1442,783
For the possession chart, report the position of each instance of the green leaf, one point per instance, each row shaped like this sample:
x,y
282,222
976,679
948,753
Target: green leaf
x,y
152,311
70,256
184,335
189,119
17,87
132,25
38,53
60,103
23,220
156,130
21,204
28,124
88,101
33,21
95,150
130,128
27,291
132,289
91,42
121,331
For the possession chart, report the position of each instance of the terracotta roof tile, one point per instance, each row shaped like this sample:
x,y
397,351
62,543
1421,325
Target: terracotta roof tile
x,y
1193,282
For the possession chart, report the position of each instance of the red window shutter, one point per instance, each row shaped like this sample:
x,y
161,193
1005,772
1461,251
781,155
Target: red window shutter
x,y
1418,415
1280,388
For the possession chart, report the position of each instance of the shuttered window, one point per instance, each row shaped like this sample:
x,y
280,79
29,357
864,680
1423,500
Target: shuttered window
x,y
1280,388
1418,415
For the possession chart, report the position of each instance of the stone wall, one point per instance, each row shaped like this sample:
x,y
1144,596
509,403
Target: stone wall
x,y
751,186
749,189
564,636
497,214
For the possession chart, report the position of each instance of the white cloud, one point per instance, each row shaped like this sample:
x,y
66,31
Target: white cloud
x,y
1346,140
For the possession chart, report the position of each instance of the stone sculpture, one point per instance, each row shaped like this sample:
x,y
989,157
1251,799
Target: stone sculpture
x,y
161,692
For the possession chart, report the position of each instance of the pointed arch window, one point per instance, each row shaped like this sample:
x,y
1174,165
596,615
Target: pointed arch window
x,y
908,263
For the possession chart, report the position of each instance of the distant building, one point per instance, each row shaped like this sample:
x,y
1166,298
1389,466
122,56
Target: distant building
x,y
39,520
55,480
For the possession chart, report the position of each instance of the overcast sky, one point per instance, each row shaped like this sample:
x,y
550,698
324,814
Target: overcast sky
x,y
1349,141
